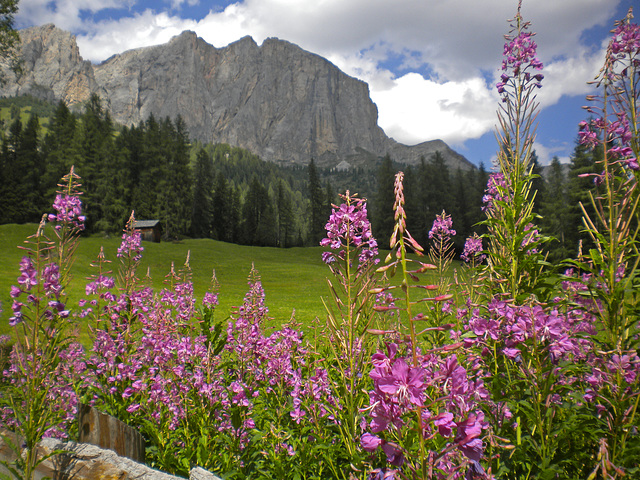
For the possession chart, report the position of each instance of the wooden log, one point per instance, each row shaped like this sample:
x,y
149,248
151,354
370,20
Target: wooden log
x,y
106,431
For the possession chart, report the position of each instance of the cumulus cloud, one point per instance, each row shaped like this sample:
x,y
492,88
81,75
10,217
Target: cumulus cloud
x,y
415,109
546,153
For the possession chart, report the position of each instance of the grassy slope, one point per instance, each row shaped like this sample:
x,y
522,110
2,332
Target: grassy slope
x,y
292,278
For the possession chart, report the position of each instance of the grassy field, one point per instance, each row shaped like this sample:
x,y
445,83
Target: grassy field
x,y
293,278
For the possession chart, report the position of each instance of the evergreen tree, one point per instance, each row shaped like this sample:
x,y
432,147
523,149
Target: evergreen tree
x,y
383,221
152,169
317,219
10,190
286,226
221,205
97,147
538,183
434,195
176,198
233,212
31,169
60,150
579,188
554,209
258,216
202,205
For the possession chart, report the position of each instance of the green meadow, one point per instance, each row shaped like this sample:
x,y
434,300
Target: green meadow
x,y
293,278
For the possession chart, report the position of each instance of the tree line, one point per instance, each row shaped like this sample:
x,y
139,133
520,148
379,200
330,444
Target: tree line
x,y
229,194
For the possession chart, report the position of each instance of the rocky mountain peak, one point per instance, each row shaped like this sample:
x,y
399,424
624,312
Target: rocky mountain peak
x,y
277,100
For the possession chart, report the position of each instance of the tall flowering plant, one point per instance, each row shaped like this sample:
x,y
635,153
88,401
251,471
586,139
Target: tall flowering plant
x,y
424,412
530,355
352,259
41,400
610,270
513,257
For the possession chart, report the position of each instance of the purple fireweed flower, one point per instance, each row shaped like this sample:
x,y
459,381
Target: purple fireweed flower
x,y
68,210
442,227
404,382
28,274
468,436
496,191
370,442
626,39
51,280
394,453
520,61
102,282
444,422
210,300
131,246
348,226
472,252
382,474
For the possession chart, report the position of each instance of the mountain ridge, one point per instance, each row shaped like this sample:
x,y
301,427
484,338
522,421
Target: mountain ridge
x,y
276,100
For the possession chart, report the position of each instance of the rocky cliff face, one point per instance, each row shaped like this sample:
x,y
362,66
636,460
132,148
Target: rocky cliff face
x,y
276,100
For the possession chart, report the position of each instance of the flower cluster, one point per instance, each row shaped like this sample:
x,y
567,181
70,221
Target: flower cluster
x,y
626,40
519,59
348,226
472,252
51,289
495,191
621,72
513,326
441,230
440,390
68,210
131,246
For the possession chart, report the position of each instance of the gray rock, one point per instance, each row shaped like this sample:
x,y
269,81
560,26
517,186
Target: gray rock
x,y
81,461
199,473
276,100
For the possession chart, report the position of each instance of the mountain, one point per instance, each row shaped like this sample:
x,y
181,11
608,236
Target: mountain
x,y
276,100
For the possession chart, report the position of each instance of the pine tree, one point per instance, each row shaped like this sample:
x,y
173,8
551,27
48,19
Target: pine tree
x,y
383,221
97,147
286,226
202,205
258,216
176,198
579,188
220,209
10,189
554,208
32,169
60,150
317,219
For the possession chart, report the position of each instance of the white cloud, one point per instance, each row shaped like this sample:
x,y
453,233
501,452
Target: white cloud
x,y
570,76
546,153
177,4
140,30
65,14
416,109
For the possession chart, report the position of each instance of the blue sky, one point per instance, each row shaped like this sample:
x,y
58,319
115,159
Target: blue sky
x,y
431,65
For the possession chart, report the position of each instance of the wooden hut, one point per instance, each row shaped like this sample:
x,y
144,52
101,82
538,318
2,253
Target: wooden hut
x,y
150,230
